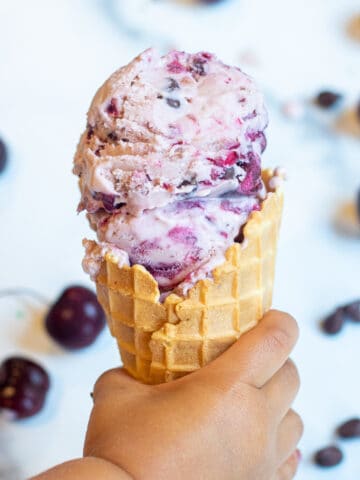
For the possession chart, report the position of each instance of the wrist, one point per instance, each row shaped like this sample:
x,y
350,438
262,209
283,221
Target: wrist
x,y
87,468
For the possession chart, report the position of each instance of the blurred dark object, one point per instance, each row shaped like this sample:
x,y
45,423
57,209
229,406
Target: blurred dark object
x,y
211,2
334,322
23,387
358,110
350,429
328,457
327,99
3,156
76,318
352,311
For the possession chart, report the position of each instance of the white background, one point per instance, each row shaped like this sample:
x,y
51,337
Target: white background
x,y
53,56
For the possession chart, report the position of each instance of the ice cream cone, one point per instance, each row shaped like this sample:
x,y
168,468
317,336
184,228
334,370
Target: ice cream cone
x,y
160,342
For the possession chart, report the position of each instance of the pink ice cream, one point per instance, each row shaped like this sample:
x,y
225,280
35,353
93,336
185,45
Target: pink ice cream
x,y
169,165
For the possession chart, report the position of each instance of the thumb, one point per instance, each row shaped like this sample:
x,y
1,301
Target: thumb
x,y
116,382
258,354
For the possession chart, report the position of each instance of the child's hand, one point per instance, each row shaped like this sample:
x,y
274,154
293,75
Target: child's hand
x,y
229,420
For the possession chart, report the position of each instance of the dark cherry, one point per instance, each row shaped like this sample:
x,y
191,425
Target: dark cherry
x,y
76,318
3,156
108,201
327,99
252,179
166,270
334,322
112,109
350,429
23,386
328,457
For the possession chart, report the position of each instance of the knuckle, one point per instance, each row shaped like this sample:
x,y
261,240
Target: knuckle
x,y
104,381
279,338
297,424
286,323
288,470
292,372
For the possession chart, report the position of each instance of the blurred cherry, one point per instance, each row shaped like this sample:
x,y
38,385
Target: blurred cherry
x,y
76,318
23,387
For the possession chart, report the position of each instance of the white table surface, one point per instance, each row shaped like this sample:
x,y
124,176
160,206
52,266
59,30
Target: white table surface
x,y
53,56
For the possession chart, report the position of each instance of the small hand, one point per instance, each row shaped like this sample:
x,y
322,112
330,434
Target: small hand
x,y
229,420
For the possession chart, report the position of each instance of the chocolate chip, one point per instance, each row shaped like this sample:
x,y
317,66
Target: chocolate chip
x,y
334,322
350,429
172,85
125,140
159,97
328,457
184,183
90,132
98,150
352,311
239,237
228,174
173,103
112,136
327,99
198,67
3,156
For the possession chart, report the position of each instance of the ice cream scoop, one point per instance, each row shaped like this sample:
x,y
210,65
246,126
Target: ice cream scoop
x,y
169,165
174,241
170,127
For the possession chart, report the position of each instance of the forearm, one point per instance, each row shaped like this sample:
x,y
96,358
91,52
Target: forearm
x,y
88,468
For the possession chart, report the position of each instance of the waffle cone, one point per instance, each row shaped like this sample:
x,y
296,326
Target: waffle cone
x,y
160,342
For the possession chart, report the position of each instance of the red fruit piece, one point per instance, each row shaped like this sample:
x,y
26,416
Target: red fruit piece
x,y
112,108
182,235
175,67
230,160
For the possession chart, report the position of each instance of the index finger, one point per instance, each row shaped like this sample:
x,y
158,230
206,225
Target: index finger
x,y
259,353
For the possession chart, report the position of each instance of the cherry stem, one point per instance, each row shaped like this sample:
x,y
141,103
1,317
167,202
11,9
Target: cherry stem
x,y
20,291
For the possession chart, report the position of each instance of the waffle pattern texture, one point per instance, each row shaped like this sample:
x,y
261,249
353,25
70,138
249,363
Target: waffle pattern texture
x,y
160,342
